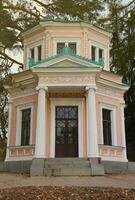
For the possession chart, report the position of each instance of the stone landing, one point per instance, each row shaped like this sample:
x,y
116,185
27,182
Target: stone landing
x,y
66,167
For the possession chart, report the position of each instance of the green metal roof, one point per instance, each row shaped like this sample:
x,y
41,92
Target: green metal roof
x,y
66,51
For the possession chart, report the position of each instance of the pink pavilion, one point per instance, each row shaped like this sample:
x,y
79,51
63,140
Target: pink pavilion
x,y
66,109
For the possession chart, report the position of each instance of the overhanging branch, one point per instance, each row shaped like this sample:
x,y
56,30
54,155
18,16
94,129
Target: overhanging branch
x,y
5,56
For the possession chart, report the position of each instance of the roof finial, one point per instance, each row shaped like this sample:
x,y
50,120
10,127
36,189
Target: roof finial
x,y
86,17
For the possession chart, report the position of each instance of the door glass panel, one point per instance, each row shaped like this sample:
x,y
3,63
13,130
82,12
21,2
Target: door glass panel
x,y
66,112
72,132
72,113
60,132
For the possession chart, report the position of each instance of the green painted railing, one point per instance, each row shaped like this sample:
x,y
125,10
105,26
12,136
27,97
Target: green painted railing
x,y
66,51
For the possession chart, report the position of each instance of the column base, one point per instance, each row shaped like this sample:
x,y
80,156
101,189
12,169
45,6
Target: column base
x,y
37,167
97,168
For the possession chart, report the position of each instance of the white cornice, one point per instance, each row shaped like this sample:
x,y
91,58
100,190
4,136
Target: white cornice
x,y
77,24
113,84
65,70
63,24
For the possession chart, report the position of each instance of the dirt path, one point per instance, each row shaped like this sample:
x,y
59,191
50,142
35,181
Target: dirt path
x,y
119,181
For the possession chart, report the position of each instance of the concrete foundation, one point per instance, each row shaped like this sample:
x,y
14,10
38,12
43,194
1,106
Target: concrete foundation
x,y
131,167
113,167
67,167
15,166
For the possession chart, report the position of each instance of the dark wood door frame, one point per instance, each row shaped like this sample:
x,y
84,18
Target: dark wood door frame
x,y
66,129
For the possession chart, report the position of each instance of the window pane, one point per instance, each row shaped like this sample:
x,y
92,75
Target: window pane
x,y
72,46
93,53
32,53
66,112
25,128
39,53
100,53
72,127
107,114
60,46
107,124
60,131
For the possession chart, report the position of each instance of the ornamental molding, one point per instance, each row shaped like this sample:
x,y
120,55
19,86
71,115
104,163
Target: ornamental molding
x,y
42,87
113,84
109,91
18,93
67,79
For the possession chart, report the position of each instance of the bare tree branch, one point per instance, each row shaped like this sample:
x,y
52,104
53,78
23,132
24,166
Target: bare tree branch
x,y
5,56
17,8
42,4
129,4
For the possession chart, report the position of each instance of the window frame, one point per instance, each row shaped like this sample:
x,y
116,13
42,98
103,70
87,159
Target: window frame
x,y
113,110
32,49
39,46
34,45
102,50
95,53
19,123
110,125
98,46
58,50
24,121
66,40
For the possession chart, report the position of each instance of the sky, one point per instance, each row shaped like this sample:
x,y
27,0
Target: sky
x,y
19,55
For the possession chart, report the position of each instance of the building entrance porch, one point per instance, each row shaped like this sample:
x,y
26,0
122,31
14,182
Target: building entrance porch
x,y
73,128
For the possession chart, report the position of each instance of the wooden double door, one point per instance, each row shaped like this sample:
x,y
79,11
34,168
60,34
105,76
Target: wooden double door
x,y
66,126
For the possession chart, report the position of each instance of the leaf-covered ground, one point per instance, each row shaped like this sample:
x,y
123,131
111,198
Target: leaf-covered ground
x,y
66,193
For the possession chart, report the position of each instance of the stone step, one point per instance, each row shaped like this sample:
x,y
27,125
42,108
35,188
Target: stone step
x,y
67,171
66,160
66,167
66,164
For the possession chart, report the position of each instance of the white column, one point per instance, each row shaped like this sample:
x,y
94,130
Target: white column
x,y
123,130
40,146
92,142
10,102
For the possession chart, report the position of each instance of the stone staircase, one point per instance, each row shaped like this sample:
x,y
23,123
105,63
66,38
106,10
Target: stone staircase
x,y
66,167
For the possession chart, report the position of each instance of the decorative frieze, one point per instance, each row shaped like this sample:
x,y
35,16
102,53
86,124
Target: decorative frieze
x,y
111,151
67,79
21,151
108,91
22,92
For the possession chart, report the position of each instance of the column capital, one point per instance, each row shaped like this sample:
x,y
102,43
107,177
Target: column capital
x,y
123,103
42,87
91,87
10,101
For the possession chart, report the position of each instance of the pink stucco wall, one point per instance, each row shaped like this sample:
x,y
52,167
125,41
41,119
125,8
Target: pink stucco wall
x,y
113,102
20,101
103,150
48,33
108,150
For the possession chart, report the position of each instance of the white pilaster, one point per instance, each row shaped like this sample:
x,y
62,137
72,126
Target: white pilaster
x,y
92,142
123,130
40,146
10,102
